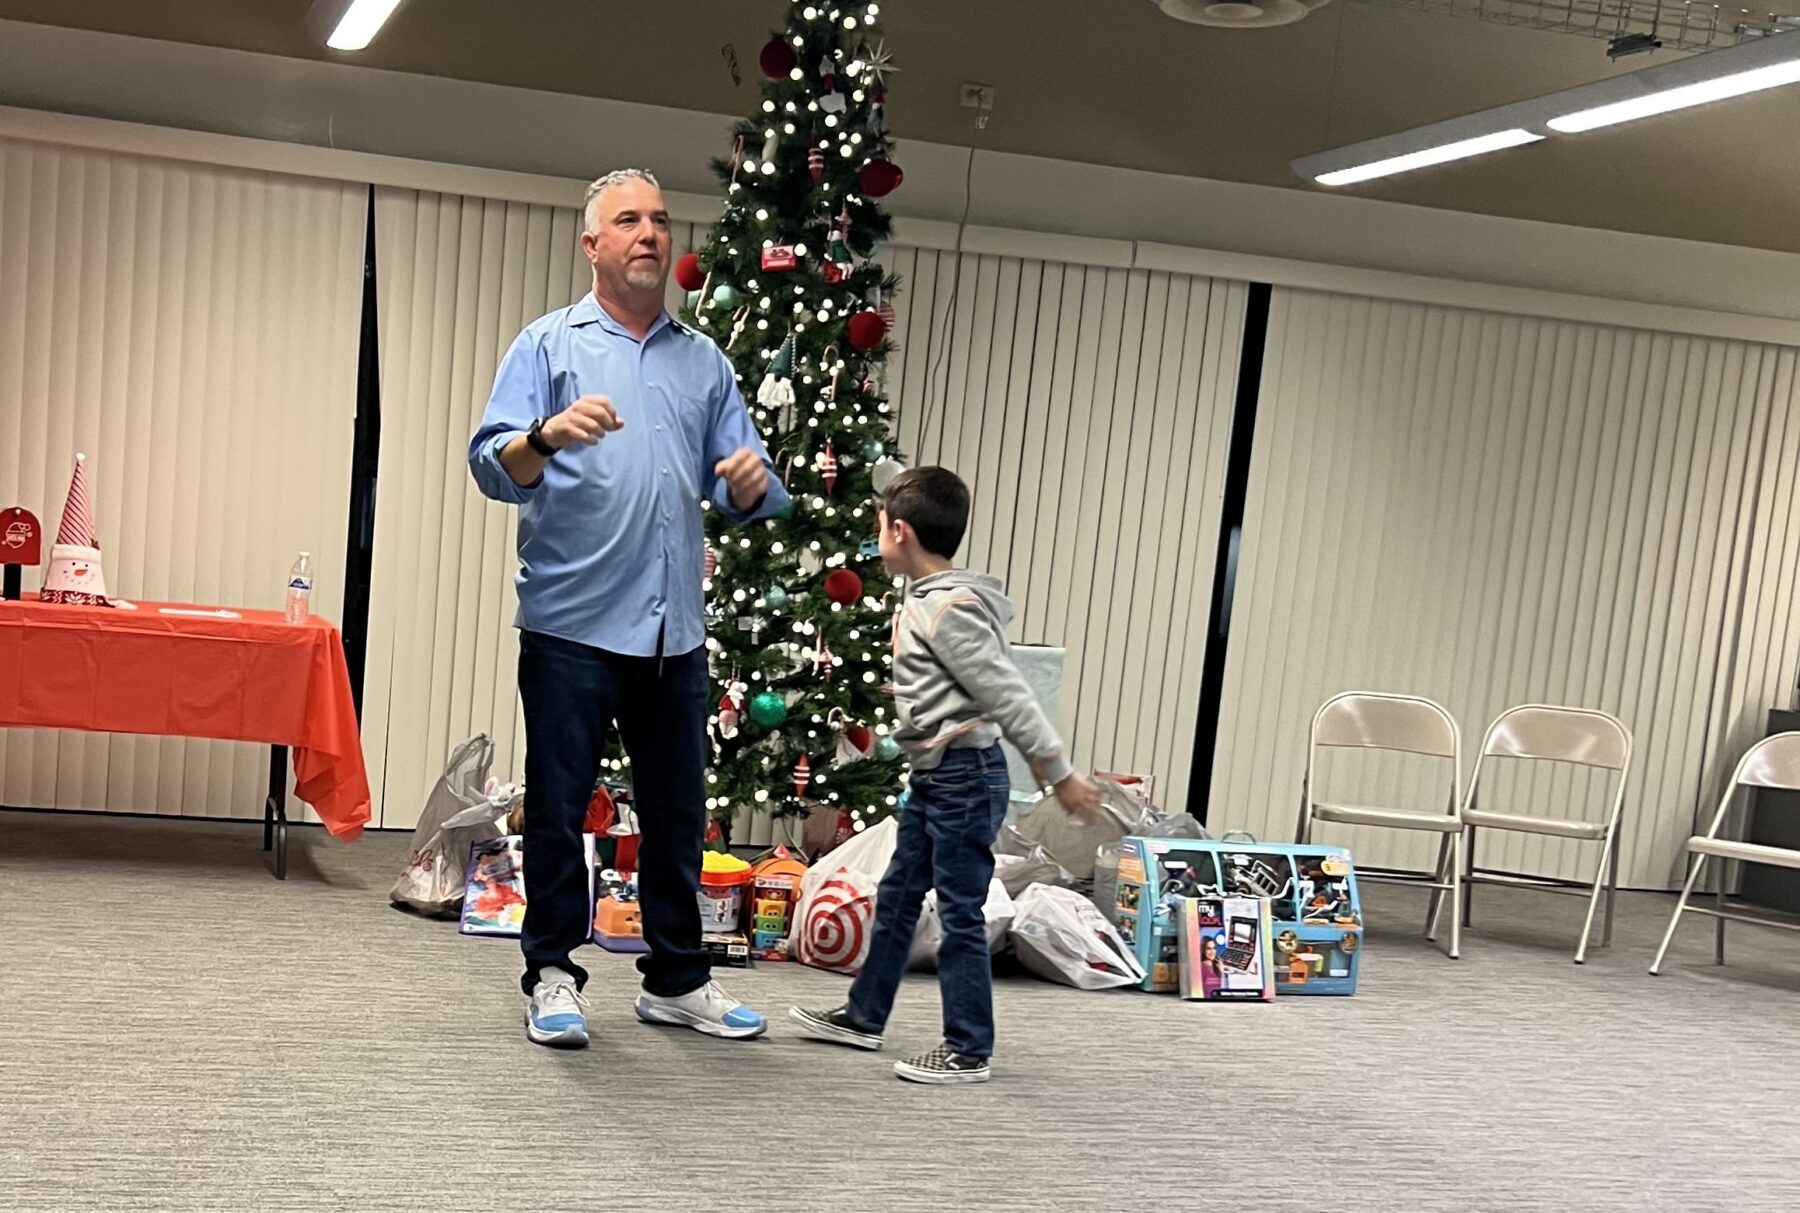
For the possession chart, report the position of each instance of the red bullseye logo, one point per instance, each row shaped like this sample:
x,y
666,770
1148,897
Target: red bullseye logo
x,y
836,930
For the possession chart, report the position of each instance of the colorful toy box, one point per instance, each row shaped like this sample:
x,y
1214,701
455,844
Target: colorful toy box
x,y
774,889
1226,949
1316,916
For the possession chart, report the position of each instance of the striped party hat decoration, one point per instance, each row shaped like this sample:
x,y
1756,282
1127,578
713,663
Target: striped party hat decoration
x,y
74,575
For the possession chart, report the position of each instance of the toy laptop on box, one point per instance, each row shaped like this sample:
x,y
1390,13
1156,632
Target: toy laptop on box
x,y
1316,916
1226,949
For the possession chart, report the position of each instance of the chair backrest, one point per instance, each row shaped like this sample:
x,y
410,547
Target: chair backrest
x,y
1547,733
1375,721
1557,734
1773,762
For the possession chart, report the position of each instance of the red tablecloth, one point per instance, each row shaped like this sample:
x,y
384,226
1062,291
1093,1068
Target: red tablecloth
x,y
255,678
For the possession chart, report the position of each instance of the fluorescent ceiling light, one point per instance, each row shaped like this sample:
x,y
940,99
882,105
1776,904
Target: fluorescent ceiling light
x,y
349,25
1462,149
1749,67
1682,97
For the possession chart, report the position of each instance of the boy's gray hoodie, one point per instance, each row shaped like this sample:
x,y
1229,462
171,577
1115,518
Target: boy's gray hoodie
x,y
955,684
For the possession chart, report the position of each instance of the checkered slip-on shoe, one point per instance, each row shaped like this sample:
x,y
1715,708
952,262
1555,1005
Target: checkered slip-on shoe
x,y
943,1067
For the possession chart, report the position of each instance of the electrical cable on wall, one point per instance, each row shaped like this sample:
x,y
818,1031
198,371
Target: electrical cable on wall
x,y
947,321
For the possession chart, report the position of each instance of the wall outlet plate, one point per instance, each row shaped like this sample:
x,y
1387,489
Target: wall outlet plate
x,y
977,97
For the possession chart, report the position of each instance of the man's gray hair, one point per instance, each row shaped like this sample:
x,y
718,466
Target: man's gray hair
x,y
618,176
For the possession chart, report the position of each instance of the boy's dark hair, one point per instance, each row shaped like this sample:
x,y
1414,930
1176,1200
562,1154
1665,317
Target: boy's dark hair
x,y
935,503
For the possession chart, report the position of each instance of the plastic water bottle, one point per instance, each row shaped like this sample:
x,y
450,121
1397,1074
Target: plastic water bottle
x,y
299,589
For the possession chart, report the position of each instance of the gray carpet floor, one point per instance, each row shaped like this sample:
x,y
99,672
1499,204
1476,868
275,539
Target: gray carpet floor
x,y
179,1031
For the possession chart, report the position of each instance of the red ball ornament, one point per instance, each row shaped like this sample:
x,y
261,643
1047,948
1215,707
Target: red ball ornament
x,y
866,330
880,177
777,59
860,737
843,586
688,272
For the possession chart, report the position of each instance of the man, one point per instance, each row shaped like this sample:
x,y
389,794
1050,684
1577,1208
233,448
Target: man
x,y
608,424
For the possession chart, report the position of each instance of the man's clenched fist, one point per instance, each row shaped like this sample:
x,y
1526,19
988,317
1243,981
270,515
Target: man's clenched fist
x,y
745,477
586,421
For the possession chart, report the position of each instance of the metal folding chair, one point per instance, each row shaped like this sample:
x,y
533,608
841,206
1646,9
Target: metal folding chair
x,y
1773,762
1545,733
1406,724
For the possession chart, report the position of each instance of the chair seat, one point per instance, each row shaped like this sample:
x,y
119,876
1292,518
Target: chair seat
x,y
1560,827
1396,819
1750,852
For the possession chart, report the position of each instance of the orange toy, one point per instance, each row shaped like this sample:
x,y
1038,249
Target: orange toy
x,y
774,888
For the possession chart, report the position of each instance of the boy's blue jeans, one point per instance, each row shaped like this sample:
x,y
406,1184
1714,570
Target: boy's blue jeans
x,y
947,833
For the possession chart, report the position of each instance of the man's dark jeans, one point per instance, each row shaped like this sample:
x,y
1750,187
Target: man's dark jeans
x,y
571,694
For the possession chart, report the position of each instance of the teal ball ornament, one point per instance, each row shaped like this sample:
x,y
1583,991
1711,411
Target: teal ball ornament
x,y
873,450
726,296
887,749
768,709
693,301
776,598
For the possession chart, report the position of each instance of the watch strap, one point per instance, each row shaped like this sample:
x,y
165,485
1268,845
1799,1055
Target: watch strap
x,y
534,438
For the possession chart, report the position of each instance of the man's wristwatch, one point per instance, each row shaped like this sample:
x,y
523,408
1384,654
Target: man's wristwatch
x,y
534,438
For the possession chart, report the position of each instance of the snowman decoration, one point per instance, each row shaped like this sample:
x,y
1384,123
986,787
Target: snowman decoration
x,y
75,576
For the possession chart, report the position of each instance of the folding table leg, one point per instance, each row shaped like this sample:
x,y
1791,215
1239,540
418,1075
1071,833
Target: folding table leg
x,y
275,823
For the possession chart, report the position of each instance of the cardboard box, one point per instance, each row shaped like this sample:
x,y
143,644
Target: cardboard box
x,y
732,951
774,890
1315,913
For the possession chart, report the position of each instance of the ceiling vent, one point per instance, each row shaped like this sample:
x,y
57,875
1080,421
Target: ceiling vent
x,y
1239,14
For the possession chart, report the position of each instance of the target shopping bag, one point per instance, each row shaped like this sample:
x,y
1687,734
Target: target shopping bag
x,y
836,910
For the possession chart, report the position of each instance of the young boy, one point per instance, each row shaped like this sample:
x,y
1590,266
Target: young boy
x,y
956,692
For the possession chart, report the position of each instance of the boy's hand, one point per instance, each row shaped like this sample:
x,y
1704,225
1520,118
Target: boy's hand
x,y
1079,796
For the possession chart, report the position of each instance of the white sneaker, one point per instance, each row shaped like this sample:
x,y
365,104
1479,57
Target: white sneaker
x,y
708,1009
554,1017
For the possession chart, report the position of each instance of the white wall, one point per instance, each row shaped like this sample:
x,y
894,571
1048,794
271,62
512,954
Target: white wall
x,y
1061,391
193,329
1090,409
457,279
1491,510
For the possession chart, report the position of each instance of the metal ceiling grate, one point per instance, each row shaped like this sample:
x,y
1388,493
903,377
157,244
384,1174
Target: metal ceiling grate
x,y
1687,27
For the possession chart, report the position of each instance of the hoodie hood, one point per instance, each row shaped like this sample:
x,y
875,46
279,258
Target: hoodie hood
x,y
989,589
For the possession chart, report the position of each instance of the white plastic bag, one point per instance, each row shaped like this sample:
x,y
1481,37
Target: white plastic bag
x,y
997,912
1026,864
1071,841
457,815
1060,936
835,914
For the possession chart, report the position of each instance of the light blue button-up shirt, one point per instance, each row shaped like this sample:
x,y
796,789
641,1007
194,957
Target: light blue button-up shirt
x,y
611,537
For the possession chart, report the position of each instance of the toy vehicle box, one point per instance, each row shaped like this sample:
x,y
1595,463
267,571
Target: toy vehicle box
x,y
1316,915
1227,953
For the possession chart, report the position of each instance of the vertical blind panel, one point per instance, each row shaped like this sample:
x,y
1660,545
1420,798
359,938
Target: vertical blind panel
x,y
457,279
193,330
1089,409
1050,386
1491,510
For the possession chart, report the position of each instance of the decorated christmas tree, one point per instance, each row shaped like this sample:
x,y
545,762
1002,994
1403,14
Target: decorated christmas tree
x,y
799,606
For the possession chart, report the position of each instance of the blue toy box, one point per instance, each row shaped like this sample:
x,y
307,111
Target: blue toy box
x,y
1316,915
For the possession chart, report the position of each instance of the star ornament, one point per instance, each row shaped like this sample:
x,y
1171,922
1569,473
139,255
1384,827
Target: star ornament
x,y
878,63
